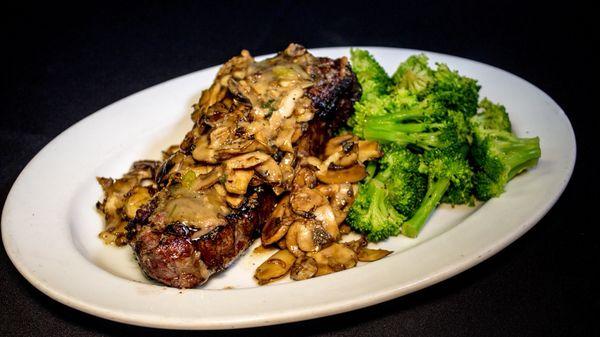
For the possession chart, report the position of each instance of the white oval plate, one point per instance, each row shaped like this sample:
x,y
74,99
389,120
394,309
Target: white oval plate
x,y
50,226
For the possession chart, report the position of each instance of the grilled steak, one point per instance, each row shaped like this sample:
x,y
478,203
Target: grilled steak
x,y
253,127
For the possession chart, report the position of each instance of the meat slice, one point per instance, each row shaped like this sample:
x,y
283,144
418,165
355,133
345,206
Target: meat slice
x,y
251,126
173,256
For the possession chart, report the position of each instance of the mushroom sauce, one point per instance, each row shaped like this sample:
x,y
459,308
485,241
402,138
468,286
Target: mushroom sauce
x,y
247,125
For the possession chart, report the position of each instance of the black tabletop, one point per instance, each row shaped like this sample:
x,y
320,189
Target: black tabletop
x,y
63,63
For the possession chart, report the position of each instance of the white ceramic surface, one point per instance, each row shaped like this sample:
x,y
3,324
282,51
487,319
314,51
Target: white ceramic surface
x,y
50,226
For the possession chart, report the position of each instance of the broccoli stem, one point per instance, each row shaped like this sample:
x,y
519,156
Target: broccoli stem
x,y
435,192
403,134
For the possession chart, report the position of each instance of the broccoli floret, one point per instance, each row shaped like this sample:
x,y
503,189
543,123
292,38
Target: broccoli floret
x,y
445,167
393,195
375,83
413,74
491,117
372,212
499,156
400,171
460,195
455,92
404,119
401,101
372,77
461,124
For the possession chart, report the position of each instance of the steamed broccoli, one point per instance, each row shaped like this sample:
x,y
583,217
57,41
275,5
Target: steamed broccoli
x,y
374,82
372,77
382,105
424,108
413,74
422,134
425,124
440,145
400,169
491,117
373,214
390,197
499,156
455,92
445,167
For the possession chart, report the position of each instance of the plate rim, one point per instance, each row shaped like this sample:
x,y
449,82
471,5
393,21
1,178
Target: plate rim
x,y
374,297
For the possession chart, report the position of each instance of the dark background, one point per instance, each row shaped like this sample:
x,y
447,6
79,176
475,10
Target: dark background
x,y
62,63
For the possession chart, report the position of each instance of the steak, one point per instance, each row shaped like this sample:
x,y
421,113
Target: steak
x,y
252,127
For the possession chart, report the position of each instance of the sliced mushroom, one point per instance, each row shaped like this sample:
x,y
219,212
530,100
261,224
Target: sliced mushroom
x,y
286,166
275,267
306,236
305,200
237,181
206,180
260,130
291,239
221,191
313,236
346,160
221,136
247,160
357,245
115,192
370,255
304,177
170,167
202,169
313,162
325,215
270,171
341,151
285,135
239,88
366,254
276,225
122,198
203,153
138,197
210,96
341,197
339,160
352,174
368,150
334,258
231,149
304,268
335,144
